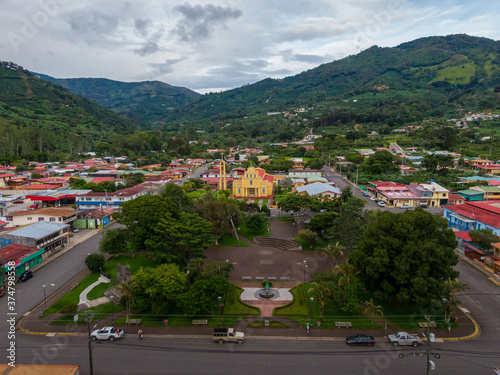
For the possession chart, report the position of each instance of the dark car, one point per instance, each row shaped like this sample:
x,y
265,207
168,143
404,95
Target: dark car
x,y
423,205
25,276
360,340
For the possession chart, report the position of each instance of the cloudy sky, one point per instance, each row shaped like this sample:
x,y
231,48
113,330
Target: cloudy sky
x,y
209,45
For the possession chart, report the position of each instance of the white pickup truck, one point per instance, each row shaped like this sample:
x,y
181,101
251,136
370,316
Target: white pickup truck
x,y
222,335
404,338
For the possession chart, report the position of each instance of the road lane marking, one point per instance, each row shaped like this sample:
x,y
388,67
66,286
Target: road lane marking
x,y
495,281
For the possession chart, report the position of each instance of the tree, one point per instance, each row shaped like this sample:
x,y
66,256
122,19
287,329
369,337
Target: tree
x,y
255,222
141,215
406,256
94,262
452,287
180,240
158,288
322,295
372,308
219,213
297,203
346,273
202,296
127,289
178,196
334,252
309,236
483,238
349,225
114,241
380,162
216,268
437,163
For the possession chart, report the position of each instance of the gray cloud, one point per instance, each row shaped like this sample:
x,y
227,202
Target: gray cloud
x,y
92,24
148,49
313,59
163,68
199,22
141,26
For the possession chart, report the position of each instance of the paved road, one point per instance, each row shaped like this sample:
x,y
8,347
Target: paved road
x,y
290,357
482,299
58,272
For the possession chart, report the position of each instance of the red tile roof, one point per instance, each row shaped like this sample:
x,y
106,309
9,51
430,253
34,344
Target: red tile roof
x,y
17,252
96,180
464,236
485,212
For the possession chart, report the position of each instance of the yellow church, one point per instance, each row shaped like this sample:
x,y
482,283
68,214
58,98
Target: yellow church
x,y
254,183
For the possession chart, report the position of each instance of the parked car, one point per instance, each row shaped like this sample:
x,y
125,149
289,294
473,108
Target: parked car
x,y
372,198
19,201
33,206
25,276
424,205
405,207
365,194
75,230
404,338
381,204
107,333
360,339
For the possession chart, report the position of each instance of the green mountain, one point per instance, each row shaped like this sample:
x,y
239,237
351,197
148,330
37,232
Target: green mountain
x,y
38,117
432,76
145,102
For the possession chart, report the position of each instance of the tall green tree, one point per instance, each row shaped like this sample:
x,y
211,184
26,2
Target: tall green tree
x,y
380,162
452,287
218,212
349,225
406,256
180,240
158,289
141,215
334,252
202,296
297,203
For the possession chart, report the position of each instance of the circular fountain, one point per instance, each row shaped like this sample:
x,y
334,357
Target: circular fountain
x,y
267,294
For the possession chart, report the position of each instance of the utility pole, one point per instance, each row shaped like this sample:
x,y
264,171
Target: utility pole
x,y
428,348
89,319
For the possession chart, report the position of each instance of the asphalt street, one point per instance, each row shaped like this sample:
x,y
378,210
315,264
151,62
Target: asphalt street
x,y
289,357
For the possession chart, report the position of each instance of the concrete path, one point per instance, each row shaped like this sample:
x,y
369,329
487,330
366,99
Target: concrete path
x,y
86,291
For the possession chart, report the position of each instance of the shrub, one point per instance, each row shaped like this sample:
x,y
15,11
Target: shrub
x,y
94,262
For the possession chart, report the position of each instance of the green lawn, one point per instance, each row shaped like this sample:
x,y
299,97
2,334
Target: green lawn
x,y
234,305
297,306
272,324
72,298
286,218
229,240
265,202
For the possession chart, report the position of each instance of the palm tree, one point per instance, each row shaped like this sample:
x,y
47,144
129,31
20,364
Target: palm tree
x,y
334,252
373,309
346,273
452,287
322,294
127,289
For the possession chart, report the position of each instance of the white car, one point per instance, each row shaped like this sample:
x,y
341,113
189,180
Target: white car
x,y
381,204
405,207
372,198
107,333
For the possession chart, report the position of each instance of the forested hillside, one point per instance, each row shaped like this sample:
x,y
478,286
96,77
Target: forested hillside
x,y
432,76
145,102
38,117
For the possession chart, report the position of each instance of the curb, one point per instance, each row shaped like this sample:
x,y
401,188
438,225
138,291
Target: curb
x,y
476,332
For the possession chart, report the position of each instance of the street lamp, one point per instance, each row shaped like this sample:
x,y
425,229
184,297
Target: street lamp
x,y
305,265
220,311
312,301
112,309
44,296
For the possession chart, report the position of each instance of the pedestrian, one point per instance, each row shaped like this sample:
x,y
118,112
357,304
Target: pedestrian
x,y
307,328
140,334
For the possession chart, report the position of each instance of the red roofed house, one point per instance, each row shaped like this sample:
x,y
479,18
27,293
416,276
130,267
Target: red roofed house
x,y
24,257
254,184
4,178
58,215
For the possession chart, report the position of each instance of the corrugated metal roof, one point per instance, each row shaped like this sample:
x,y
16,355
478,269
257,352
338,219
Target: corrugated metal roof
x,y
38,230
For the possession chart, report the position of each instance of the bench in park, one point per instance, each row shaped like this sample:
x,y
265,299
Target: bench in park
x,y
133,321
272,279
199,322
246,278
432,324
284,278
343,325
260,278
